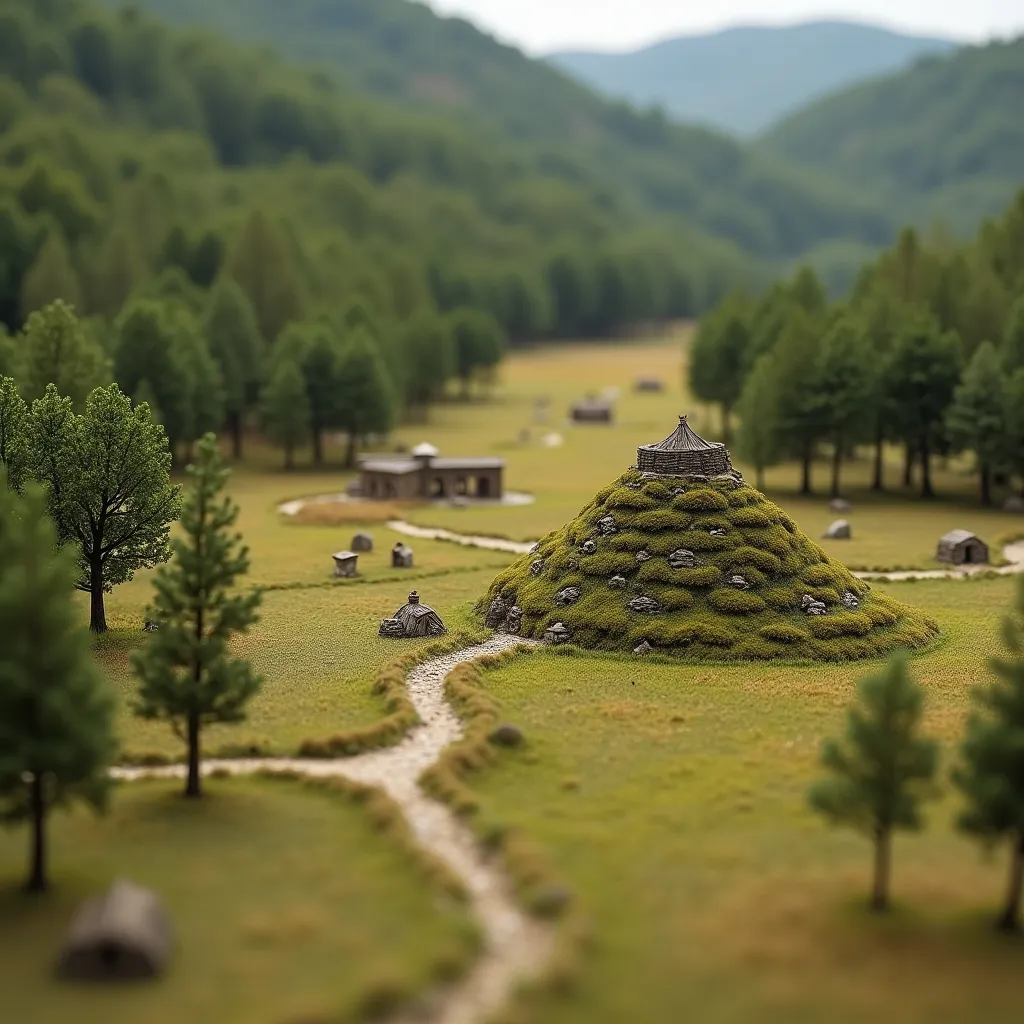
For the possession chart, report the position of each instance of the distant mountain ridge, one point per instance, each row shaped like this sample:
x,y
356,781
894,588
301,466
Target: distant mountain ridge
x,y
744,79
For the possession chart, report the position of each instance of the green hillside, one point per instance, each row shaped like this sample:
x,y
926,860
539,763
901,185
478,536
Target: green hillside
x,y
406,53
744,79
944,139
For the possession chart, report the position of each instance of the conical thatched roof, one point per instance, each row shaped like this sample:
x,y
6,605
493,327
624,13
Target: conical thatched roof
x,y
684,453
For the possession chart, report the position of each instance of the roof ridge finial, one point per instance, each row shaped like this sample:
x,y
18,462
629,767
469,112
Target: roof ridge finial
x,y
682,420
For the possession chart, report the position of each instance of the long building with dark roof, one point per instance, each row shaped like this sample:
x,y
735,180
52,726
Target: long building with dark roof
x,y
424,475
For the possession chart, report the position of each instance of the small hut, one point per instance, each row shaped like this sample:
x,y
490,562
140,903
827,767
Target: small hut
x,y
345,563
648,384
684,453
413,620
401,556
362,542
961,547
591,410
123,934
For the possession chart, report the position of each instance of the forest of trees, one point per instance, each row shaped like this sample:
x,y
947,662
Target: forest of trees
x,y
927,352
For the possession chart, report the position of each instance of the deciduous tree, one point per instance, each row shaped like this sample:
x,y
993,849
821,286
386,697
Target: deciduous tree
x,y
882,770
758,441
187,675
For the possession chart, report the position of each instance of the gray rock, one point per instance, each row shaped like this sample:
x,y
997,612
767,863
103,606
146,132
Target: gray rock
x,y
514,621
572,564
391,629
556,634
589,547
362,542
851,600
607,526
646,605
812,606
839,530
567,596
739,582
643,556
718,531
643,648
617,583
678,490
496,614
537,567
507,736
839,505
534,548
682,559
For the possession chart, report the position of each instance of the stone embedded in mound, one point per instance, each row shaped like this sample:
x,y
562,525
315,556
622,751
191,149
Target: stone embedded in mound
x,y
699,566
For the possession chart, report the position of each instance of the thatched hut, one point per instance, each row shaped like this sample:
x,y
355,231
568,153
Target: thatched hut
x,y
413,620
123,934
961,547
684,453
592,410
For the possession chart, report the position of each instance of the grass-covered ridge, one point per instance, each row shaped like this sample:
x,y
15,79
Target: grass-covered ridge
x,y
684,545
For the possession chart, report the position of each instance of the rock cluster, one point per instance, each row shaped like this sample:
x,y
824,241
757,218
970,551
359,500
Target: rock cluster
x,y
646,605
682,559
812,606
850,600
607,526
567,596
617,583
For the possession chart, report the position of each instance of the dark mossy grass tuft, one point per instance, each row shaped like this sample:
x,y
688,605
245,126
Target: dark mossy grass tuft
x,y
684,544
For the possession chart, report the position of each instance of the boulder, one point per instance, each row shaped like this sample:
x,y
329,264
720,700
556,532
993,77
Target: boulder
x,y
556,634
567,596
536,566
682,559
718,531
643,648
362,542
645,605
617,583
496,614
850,600
812,606
643,556
507,736
839,530
514,621
739,582
607,526
589,547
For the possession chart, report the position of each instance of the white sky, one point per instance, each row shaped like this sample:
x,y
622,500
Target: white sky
x,y
540,26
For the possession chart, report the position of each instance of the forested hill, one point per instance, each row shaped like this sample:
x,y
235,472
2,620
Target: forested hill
x,y
942,139
406,53
745,79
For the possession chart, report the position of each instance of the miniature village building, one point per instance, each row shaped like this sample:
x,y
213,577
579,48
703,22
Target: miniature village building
x,y
425,475
362,542
401,556
591,410
961,547
413,620
648,384
122,934
684,453
345,563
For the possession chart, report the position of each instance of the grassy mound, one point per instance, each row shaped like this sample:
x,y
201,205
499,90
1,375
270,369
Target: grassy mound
x,y
726,574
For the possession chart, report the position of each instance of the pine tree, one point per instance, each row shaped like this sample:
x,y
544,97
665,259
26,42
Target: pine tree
x,y
976,418
204,389
56,713
117,274
285,409
187,675
1013,338
1013,421
50,277
758,440
234,339
55,348
364,392
107,475
882,770
14,434
991,775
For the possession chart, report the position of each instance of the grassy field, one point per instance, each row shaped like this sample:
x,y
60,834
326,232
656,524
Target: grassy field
x,y
288,903
671,801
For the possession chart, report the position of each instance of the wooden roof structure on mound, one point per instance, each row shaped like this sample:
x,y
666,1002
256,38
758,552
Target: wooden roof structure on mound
x,y
684,453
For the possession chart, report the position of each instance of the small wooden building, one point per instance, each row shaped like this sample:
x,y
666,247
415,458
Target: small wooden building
x,y
961,547
123,934
345,563
425,475
592,410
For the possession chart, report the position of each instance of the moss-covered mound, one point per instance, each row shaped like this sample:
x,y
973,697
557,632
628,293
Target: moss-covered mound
x,y
706,570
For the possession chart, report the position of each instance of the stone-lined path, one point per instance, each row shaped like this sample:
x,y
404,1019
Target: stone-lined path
x,y
515,945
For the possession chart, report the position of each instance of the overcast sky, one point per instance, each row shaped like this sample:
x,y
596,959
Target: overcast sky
x,y
539,26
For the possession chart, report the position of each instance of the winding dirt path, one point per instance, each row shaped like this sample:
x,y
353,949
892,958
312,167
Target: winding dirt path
x,y
515,945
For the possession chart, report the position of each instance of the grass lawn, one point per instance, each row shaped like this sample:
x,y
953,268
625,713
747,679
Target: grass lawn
x,y
671,800
287,904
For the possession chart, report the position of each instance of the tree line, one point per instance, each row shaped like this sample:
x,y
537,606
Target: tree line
x,y
927,352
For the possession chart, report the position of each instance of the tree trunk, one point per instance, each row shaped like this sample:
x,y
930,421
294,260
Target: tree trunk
x,y
883,859
193,787
908,465
1009,921
806,484
289,455
985,473
37,863
235,421
878,483
926,469
318,447
97,611
760,478
837,465
350,451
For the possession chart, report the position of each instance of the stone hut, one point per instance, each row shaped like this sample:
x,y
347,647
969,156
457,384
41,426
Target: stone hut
x,y
961,547
684,453
362,542
122,934
425,475
591,410
413,620
345,563
401,556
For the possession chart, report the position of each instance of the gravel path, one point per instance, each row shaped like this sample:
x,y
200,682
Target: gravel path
x,y
516,946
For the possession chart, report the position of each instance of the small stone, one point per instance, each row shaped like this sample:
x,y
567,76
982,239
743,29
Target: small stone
x,y
391,629
818,608
682,559
643,648
507,736
851,600
537,567
839,505
556,634
567,596
572,564
514,622
534,548
718,531
739,582
617,583
496,614
839,530
362,542
607,526
589,547
643,556
678,490
646,605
